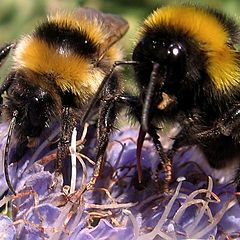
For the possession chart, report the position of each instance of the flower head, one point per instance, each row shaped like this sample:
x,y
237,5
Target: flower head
x,y
197,206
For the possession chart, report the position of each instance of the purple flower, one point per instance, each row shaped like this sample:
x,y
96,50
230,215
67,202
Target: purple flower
x,y
197,206
7,229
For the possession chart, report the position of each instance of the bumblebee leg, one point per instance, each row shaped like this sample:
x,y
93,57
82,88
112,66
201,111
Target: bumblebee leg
x,y
237,181
68,122
107,81
166,162
136,109
230,123
224,137
227,126
4,51
5,85
107,116
6,151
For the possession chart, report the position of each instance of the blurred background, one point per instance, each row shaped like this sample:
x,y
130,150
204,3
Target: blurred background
x,y
18,17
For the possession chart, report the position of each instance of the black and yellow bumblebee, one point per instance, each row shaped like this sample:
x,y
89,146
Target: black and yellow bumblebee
x,y
187,69
56,70
189,72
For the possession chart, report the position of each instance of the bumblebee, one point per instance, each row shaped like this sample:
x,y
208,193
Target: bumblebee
x,y
56,70
189,72
187,69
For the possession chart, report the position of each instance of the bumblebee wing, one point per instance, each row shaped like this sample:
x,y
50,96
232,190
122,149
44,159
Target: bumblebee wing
x,y
114,26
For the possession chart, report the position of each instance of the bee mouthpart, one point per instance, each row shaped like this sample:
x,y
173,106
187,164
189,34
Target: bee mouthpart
x,y
140,140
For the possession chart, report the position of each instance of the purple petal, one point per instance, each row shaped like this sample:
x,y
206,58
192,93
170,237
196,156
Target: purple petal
x,y
7,229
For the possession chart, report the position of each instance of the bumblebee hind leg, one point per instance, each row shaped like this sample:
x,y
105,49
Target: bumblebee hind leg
x,y
220,144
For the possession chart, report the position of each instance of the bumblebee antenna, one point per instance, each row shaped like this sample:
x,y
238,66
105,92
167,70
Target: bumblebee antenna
x,y
101,87
6,151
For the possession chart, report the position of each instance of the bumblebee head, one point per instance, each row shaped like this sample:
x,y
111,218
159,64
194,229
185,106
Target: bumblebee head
x,y
186,55
169,54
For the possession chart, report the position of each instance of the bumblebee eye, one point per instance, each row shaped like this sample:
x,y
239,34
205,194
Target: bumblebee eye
x,y
176,61
176,51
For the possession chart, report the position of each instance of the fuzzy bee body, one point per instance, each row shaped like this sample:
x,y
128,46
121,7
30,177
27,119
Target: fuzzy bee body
x,y
60,65
197,70
187,70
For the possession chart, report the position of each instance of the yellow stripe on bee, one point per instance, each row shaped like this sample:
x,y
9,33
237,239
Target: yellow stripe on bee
x,y
212,36
70,71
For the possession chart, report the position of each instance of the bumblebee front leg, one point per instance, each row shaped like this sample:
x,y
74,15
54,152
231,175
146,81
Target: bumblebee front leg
x,y
4,51
107,116
5,85
68,122
6,151
135,107
165,160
